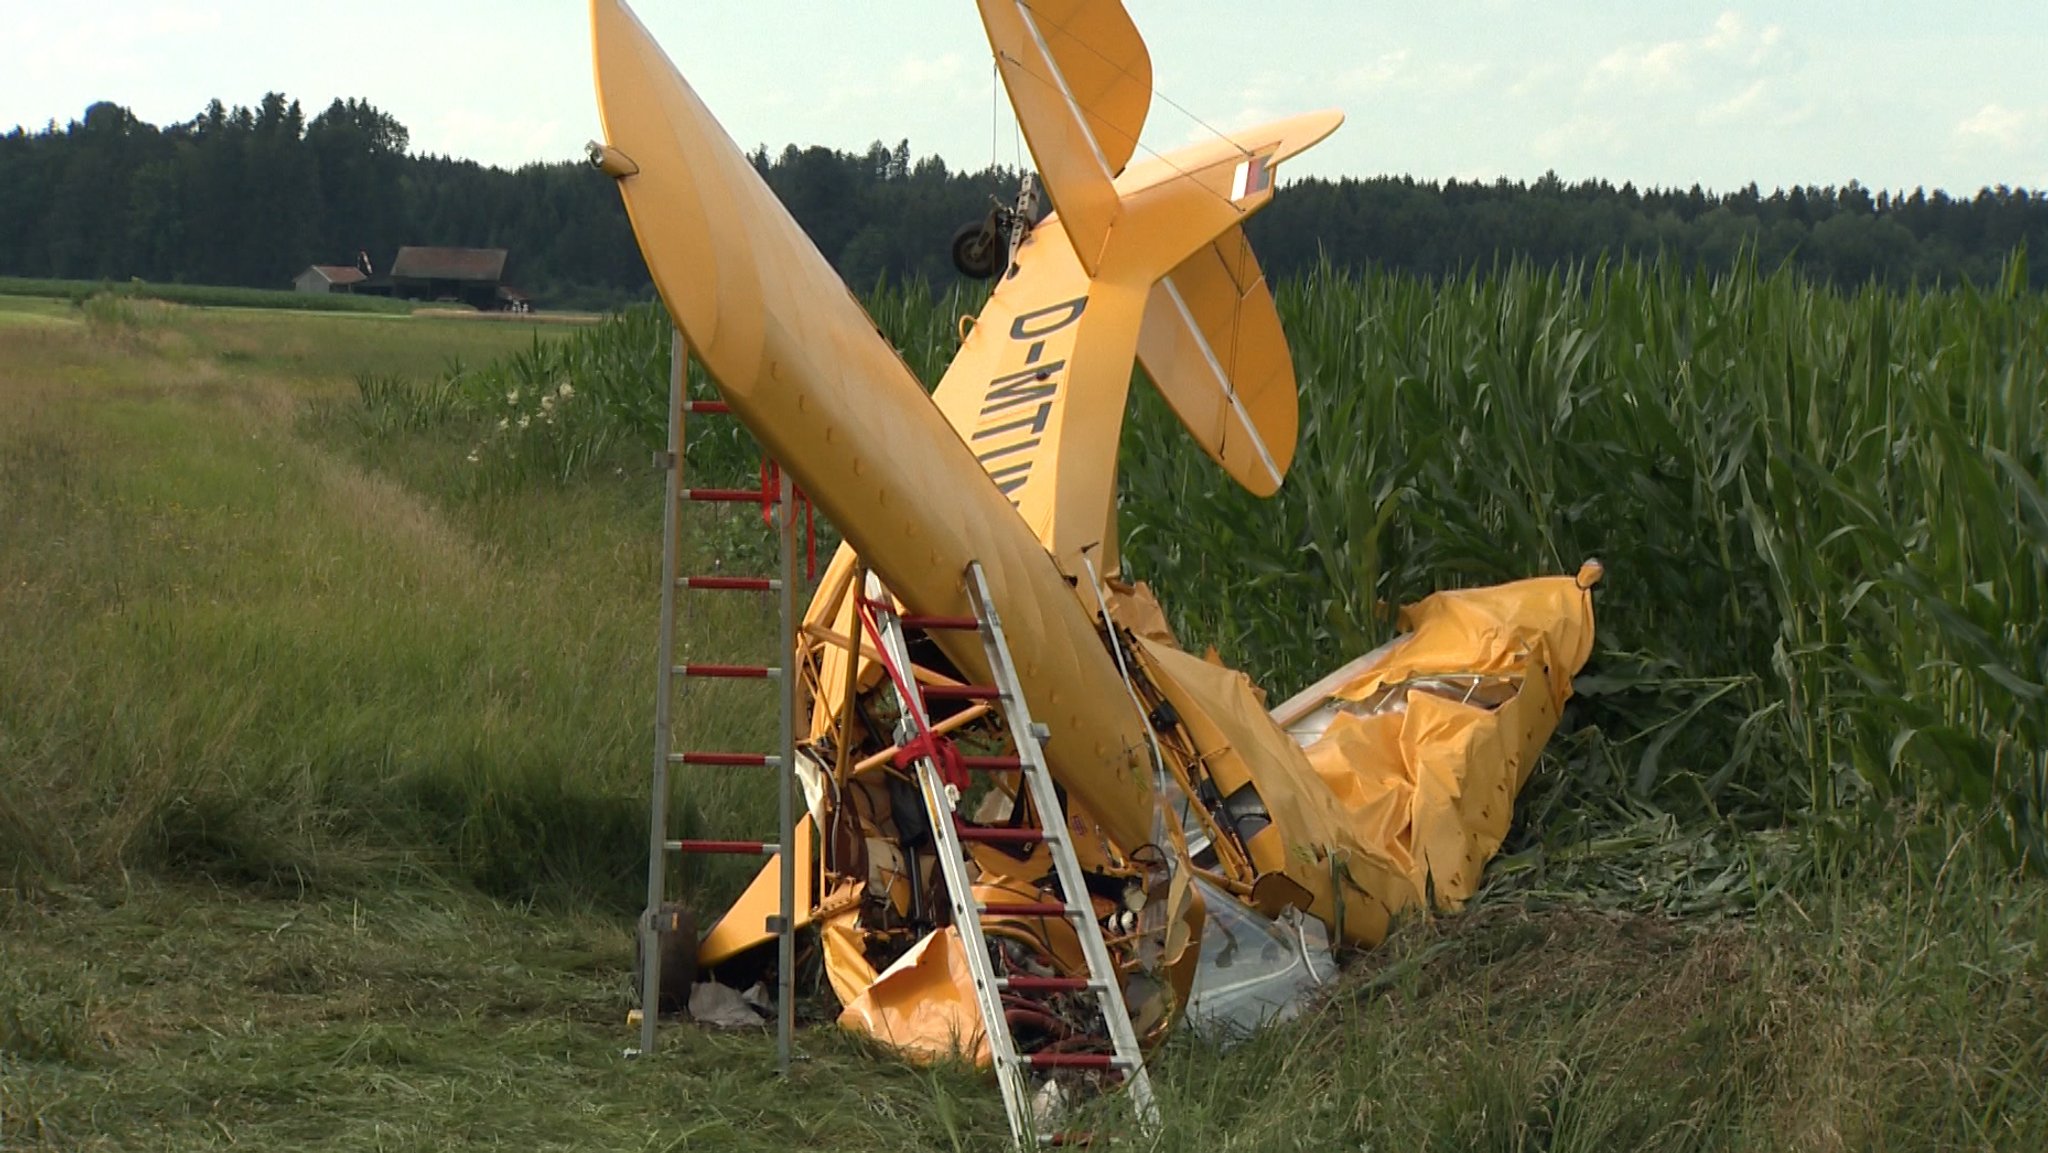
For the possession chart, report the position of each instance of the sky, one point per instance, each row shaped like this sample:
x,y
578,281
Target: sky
x,y
1938,93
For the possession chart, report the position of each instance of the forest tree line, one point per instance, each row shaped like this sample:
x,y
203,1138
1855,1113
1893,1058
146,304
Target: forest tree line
x,y
250,196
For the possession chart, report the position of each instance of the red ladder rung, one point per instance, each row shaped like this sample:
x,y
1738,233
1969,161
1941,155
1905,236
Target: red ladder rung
x,y
931,623
706,406
1047,984
723,495
1024,909
750,848
992,764
1001,836
962,693
732,584
730,672
1071,1060
763,760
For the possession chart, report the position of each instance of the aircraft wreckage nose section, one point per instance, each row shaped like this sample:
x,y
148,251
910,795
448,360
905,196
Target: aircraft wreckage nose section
x,y
1387,785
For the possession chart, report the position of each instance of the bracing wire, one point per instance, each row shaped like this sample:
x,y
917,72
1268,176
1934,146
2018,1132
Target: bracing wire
x,y
1156,93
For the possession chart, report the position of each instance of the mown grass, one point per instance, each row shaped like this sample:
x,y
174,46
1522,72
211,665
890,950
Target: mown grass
x,y
237,648
1903,1012
201,295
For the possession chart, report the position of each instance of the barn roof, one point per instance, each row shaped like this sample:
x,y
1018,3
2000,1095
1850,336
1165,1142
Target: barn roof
x,y
420,263
339,273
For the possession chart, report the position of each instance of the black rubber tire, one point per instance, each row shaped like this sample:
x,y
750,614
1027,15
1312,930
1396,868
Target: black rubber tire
x,y
977,250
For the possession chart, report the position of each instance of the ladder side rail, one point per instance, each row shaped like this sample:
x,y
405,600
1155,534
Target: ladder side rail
x,y
1102,968
953,863
671,570
785,954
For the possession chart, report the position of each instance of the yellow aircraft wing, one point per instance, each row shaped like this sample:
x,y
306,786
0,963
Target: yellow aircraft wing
x,y
802,365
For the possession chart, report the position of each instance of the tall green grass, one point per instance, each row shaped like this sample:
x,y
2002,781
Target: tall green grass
x,y
246,640
1822,515
617,375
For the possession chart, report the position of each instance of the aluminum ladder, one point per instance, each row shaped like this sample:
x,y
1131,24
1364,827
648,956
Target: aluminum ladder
x,y
915,736
667,749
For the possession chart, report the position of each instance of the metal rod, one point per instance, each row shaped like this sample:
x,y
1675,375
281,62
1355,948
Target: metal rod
x,y
959,720
1161,827
732,584
657,818
785,1000
851,700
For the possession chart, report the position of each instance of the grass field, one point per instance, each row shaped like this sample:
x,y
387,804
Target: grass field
x,y
321,749
200,295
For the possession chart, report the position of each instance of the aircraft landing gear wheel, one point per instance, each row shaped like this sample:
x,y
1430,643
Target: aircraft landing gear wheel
x,y
978,249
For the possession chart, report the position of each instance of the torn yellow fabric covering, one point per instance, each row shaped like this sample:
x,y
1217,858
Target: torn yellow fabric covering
x,y
923,1004
846,961
1318,842
1430,781
1491,631
1409,801
1434,784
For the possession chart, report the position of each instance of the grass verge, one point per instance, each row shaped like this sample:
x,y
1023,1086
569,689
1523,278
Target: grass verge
x,y
202,295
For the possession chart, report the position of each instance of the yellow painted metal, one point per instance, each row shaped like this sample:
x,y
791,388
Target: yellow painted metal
x,y
1036,52
802,366
1102,64
745,923
1213,347
1038,391
1406,788
924,1004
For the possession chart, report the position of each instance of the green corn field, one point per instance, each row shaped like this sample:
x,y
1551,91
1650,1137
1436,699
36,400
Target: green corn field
x,y
1822,516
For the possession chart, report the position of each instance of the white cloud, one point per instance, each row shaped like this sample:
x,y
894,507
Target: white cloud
x,y
916,73
1379,74
1730,45
1733,38
2005,128
1575,138
180,20
1462,77
1634,65
1742,106
1730,29
468,133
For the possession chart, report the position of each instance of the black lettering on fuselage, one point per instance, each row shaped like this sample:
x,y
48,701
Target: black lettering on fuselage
x,y
992,454
1032,384
1025,328
1022,402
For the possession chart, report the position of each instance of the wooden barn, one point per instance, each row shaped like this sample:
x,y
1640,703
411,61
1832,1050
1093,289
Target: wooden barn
x,y
470,275
327,278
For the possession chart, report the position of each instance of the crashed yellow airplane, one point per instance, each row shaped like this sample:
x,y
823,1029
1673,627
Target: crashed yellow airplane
x,y
1223,842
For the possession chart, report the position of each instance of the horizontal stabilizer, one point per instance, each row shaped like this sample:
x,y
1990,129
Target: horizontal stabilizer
x,y
1081,82
1213,346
